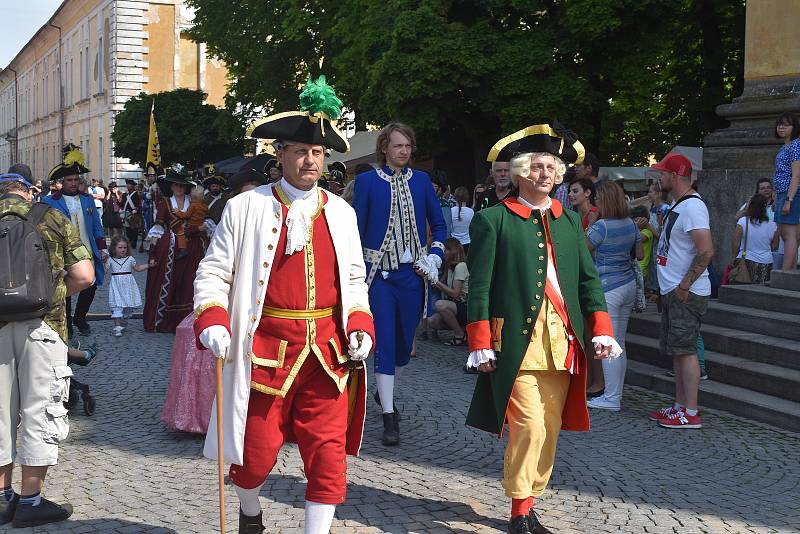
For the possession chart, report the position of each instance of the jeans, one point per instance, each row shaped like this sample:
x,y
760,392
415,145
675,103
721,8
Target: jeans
x,y
620,305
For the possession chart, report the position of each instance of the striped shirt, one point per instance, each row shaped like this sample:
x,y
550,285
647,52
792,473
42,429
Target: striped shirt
x,y
613,240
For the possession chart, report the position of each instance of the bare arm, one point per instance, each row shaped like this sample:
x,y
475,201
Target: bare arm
x,y
79,276
776,239
705,251
640,251
451,292
589,245
736,241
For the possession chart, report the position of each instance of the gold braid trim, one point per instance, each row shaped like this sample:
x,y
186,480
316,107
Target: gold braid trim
x,y
359,309
203,307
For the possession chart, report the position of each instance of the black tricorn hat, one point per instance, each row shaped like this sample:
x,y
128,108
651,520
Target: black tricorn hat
x,y
173,177
314,124
271,164
245,176
211,180
72,164
552,139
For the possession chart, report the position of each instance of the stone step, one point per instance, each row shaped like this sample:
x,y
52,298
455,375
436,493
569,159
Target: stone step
x,y
751,404
785,280
767,322
756,347
736,371
761,298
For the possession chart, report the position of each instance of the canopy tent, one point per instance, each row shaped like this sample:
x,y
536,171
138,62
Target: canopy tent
x,y
634,179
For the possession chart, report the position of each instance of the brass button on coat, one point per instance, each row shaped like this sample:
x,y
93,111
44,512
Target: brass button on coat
x,y
524,331
541,258
529,320
540,271
538,297
541,245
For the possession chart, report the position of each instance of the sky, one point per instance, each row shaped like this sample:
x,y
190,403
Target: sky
x,y
21,19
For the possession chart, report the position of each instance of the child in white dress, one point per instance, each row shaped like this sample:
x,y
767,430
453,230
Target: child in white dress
x,y
123,293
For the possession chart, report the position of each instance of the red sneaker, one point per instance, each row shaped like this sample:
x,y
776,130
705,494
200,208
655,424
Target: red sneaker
x,y
658,415
682,420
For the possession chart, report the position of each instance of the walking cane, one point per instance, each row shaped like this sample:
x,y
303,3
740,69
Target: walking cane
x,y
220,453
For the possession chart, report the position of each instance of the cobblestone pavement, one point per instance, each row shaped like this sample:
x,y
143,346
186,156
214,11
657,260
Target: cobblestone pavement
x,y
124,471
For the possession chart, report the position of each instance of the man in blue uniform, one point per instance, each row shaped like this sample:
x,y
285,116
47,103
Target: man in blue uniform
x,y
395,205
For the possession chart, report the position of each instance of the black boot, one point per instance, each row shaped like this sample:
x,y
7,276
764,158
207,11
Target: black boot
x,y
534,525
391,429
250,524
47,512
519,525
7,509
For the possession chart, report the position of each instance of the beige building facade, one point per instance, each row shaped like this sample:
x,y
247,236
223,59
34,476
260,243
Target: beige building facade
x,y
69,81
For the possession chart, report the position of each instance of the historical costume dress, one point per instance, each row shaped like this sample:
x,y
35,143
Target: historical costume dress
x,y
284,276
533,285
394,212
170,284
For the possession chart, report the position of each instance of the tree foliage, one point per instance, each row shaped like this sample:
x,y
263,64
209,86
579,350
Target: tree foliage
x,y
631,77
190,132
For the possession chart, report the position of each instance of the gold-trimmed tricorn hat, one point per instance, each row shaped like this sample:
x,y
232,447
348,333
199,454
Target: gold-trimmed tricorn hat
x,y
73,163
314,124
554,139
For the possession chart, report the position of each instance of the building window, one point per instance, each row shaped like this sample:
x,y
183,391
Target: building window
x,y
100,60
86,71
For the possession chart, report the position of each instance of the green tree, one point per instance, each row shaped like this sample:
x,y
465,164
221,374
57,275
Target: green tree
x,y
190,132
632,77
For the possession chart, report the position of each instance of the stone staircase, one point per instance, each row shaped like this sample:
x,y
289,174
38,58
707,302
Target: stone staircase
x,y
752,342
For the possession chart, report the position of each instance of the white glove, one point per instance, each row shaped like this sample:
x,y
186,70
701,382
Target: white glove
x,y
477,357
359,353
608,341
217,339
430,266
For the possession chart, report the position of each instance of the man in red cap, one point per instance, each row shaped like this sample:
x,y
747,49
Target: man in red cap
x,y
684,251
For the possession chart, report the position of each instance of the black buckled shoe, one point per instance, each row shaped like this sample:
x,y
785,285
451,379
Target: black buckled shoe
x,y
28,515
7,509
534,525
250,524
519,525
391,429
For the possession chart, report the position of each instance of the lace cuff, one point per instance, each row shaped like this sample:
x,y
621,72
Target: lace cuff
x,y
606,341
156,231
477,357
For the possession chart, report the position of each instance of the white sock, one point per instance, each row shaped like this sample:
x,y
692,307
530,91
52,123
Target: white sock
x,y
677,407
319,517
386,391
691,412
248,500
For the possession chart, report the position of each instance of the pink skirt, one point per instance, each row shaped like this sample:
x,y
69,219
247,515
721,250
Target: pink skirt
x,y
191,383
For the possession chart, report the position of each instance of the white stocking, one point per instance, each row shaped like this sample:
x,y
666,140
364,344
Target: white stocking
x,y
319,517
248,500
386,391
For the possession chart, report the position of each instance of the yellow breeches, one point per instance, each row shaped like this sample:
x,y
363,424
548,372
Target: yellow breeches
x,y
534,422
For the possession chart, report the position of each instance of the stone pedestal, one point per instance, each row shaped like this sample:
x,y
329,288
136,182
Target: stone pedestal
x,y
735,157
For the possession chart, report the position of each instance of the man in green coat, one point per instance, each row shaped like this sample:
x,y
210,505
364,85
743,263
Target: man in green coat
x,y
533,285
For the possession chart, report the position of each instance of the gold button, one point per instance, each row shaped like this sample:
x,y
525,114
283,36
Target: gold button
x,y
540,271
536,221
253,318
538,234
538,284
538,297
541,258
270,247
277,215
261,282
529,320
249,335
255,366
541,245
258,301
266,264
525,331
533,308
274,230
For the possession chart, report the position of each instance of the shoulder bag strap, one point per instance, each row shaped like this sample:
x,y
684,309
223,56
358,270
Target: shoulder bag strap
x,y
746,231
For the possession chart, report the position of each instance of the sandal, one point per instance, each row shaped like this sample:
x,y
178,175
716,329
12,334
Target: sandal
x,y
457,341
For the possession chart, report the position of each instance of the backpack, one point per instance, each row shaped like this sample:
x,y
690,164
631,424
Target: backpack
x,y
26,275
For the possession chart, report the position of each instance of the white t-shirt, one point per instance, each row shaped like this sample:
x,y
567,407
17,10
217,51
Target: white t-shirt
x,y
771,215
759,240
96,190
461,228
676,249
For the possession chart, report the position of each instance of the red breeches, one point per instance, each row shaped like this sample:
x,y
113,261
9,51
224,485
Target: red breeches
x,y
314,415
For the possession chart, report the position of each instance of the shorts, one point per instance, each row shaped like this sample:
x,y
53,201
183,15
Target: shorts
x,y
680,323
793,217
34,383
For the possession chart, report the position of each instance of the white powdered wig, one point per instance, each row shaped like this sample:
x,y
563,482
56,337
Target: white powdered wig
x,y
520,166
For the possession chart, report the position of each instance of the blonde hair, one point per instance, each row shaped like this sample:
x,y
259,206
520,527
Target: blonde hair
x,y
520,166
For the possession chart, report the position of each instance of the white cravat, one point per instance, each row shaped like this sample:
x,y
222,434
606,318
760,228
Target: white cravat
x,y
303,205
76,216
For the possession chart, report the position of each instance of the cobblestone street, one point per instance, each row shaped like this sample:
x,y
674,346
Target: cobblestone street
x,y
124,471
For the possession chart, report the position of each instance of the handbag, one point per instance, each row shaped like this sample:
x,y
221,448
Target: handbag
x,y
739,273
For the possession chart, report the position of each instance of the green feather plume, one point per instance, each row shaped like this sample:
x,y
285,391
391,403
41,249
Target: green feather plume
x,y
318,96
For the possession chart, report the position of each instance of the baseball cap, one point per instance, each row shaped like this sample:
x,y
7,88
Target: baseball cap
x,y
14,177
676,163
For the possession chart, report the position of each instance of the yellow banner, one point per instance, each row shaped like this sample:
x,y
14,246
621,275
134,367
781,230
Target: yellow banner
x,y
153,147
